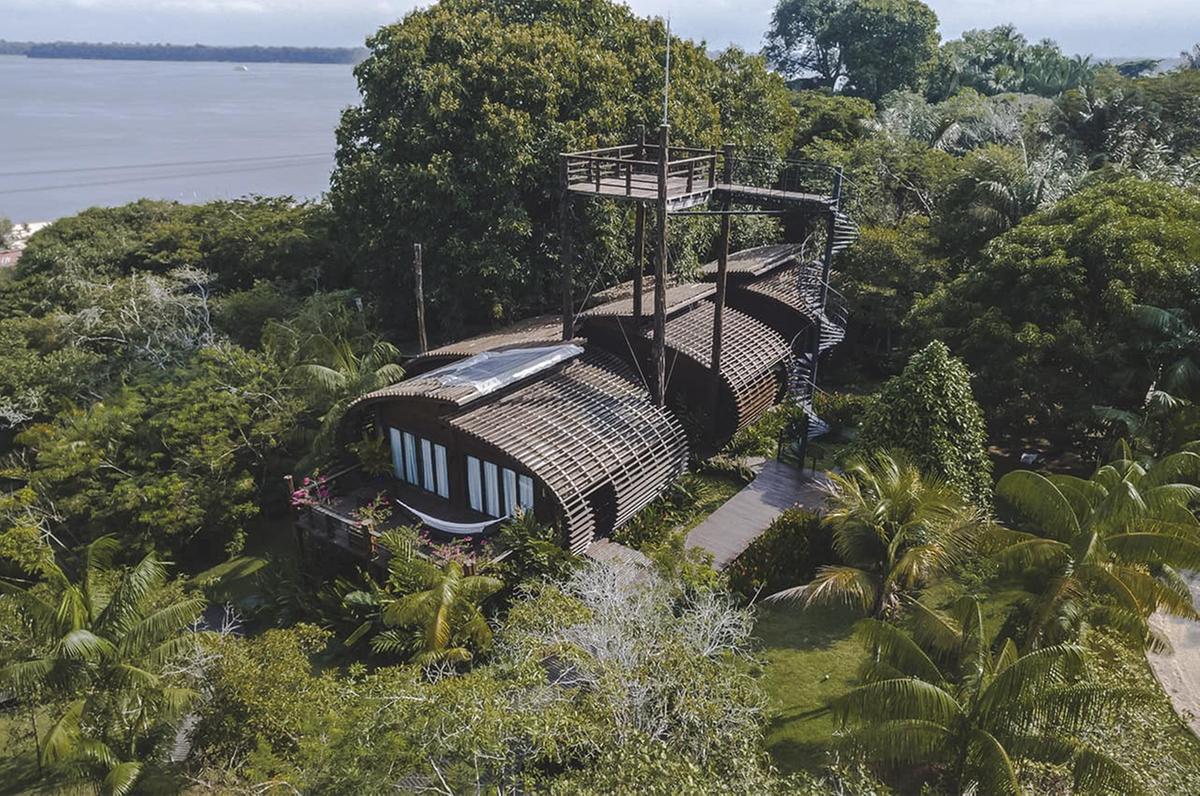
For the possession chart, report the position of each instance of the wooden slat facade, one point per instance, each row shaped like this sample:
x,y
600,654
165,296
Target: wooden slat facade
x,y
777,301
751,360
591,435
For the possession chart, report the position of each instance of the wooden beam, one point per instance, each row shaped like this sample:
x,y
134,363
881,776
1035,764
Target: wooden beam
x,y
639,260
566,241
660,272
419,285
722,279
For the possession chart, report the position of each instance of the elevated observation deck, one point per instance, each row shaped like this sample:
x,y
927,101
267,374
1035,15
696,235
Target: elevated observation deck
x,y
693,177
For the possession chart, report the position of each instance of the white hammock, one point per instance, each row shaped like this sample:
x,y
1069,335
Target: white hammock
x,y
457,528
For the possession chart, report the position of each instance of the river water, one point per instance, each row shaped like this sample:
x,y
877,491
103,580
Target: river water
x,y
74,134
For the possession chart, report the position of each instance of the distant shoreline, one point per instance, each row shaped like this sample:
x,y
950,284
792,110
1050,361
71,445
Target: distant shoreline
x,y
183,52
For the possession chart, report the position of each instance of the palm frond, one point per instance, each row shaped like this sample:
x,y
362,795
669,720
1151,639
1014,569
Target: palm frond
x,y
1180,467
835,585
84,645
1038,501
906,742
1095,772
991,766
900,698
1177,551
131,595
320,377
25,677
933,629
892,645
1033,553
1032,673
161,625
60,743
121,778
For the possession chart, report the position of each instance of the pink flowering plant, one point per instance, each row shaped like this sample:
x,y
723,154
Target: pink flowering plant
x,y
312,492
466,551
372,516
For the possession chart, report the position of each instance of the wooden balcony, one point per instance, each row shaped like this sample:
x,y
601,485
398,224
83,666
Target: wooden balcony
x,y
334,521
630,173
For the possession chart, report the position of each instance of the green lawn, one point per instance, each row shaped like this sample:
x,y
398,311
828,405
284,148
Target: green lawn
x,y
810,656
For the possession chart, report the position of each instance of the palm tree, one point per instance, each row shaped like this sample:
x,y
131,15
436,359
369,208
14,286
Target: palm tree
x,y
432,612
100,644
894,530
1104,550
939,697
337,371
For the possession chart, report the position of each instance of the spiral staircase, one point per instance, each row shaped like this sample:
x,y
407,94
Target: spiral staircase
x,y
827,308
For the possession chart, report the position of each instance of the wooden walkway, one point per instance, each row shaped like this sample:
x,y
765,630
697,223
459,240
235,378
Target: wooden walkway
x,y
743,518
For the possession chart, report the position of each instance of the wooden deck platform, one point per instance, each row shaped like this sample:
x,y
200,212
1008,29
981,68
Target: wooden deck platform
x,y
644,188
729,530
682,196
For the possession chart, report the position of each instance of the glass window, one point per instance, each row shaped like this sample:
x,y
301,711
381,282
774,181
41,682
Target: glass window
x,y
410,458
427,466
397,452
510,491
441,471
474,484
491,488
525,491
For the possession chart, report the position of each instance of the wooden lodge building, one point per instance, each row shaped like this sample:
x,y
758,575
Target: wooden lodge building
x,y
585,418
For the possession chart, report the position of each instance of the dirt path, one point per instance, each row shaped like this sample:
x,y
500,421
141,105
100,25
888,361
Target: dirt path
x,y
1179,672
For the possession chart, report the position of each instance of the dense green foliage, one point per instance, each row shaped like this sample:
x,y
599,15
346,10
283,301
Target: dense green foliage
x,y
1045,319
929,413
943,697
1105,550
106,649
168,364
872,46
790,552
894,531
564,700
467,104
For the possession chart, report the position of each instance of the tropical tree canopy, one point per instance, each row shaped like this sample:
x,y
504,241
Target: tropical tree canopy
x,y
1104,550
465,107
929,413
894,529
99,647
865,47
939,696
1045,317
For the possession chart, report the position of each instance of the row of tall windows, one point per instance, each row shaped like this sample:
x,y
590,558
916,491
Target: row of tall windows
x,y
491,489
495,490
420,462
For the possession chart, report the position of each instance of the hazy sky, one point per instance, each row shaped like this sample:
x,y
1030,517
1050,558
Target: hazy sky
x,y
1100,27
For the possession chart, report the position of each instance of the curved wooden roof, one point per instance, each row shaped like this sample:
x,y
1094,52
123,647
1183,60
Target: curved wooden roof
x,y
590,433
751,353
756,261
542,329
678,297
777,300
465,380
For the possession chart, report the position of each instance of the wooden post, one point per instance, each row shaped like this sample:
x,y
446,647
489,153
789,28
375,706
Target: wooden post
x,y
660,273
418,282
639,260
568,255
722,281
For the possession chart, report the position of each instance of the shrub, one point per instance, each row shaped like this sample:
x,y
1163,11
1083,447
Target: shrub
x,y
929,412
787,554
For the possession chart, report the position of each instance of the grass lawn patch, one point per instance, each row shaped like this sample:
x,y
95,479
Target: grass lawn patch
x,y
810,656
